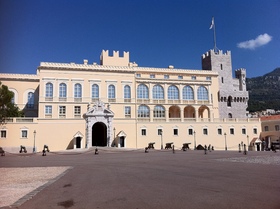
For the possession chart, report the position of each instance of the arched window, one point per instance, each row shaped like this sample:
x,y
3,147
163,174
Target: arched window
x,y
127,92
158,92
142,92
229,115
62,90
173,92
94,91
111,92
202,93
159,111
30,100
143,111
49,90
188,93
78,90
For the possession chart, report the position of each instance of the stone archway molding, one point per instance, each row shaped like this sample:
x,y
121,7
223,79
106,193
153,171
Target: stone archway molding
x,y
99,113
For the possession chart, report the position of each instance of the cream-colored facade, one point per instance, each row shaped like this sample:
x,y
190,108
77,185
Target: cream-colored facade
x,y
117,103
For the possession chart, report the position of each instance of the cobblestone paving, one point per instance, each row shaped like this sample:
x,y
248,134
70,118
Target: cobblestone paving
x,y
269,160
20,184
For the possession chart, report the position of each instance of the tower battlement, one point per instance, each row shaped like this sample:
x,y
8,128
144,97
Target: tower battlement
x,y
212,52
115,60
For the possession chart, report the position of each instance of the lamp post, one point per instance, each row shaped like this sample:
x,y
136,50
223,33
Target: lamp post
x,y
114,129
225,141
194,141
34,150
248,142
161,146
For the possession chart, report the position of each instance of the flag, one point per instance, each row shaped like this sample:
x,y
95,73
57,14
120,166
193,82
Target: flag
x,y
212,24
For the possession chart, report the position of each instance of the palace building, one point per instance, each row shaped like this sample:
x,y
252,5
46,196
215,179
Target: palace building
x,y
119,104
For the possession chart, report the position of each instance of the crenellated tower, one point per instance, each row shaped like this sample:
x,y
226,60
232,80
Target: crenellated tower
x,y
233,96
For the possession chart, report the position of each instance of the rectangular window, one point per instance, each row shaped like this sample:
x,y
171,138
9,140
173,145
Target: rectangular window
x,y
255,131
159,132
166,76
276,127
175,132
220,131
231,131
3,133
152,76
190,131
23,133
180,77
205,131
48,110
193,77
127,112
143,132
243,130
77,111
138,75
62,111
266,128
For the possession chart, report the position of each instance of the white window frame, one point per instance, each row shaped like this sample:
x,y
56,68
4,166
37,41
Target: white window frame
x,y
143,132
3,131
22,135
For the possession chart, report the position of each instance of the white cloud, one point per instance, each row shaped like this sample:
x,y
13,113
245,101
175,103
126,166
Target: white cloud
x,y
254,43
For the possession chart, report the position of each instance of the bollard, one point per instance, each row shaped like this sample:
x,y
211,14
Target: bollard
x,y
173,149
205,149
239,148
96,151
146,149
245,152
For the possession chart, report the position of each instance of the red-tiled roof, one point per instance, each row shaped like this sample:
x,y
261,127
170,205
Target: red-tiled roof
x,y
271,117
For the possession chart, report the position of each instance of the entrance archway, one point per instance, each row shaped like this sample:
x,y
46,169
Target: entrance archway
x,y
99,134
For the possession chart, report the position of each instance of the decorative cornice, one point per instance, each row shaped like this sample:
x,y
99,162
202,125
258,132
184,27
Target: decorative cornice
x,y
23,77
87,67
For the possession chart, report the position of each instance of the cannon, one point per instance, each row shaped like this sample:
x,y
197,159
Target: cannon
x,y
151,145
45,150
2,151
168,145
22,149
185,146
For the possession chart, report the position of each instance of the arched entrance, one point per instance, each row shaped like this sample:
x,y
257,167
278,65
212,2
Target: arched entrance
x,y
99,134
78,142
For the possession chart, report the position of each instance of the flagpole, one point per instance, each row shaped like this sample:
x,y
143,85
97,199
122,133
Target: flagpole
x,y
214,27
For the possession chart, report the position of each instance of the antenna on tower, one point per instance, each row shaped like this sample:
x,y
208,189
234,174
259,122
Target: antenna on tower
x,y
212,26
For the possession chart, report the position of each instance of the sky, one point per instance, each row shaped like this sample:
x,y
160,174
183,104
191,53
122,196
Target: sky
x,y
157,33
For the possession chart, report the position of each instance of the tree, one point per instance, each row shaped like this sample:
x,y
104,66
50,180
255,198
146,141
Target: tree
x,y
7,107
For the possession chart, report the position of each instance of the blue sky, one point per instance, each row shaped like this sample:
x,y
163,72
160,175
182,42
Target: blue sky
x,y
156,33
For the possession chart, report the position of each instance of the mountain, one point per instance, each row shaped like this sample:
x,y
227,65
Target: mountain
x,y
264,91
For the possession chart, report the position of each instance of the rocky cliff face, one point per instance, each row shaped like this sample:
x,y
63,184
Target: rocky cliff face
x,y
264,91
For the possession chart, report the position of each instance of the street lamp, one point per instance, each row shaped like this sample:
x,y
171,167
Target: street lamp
x,y
194,141
225,141
34,150
114,129
248,142
160,132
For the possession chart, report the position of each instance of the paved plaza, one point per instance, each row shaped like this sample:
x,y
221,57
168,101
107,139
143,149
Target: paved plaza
x,y
133,179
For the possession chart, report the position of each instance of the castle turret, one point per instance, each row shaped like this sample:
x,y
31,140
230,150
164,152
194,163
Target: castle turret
x,y
233,95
